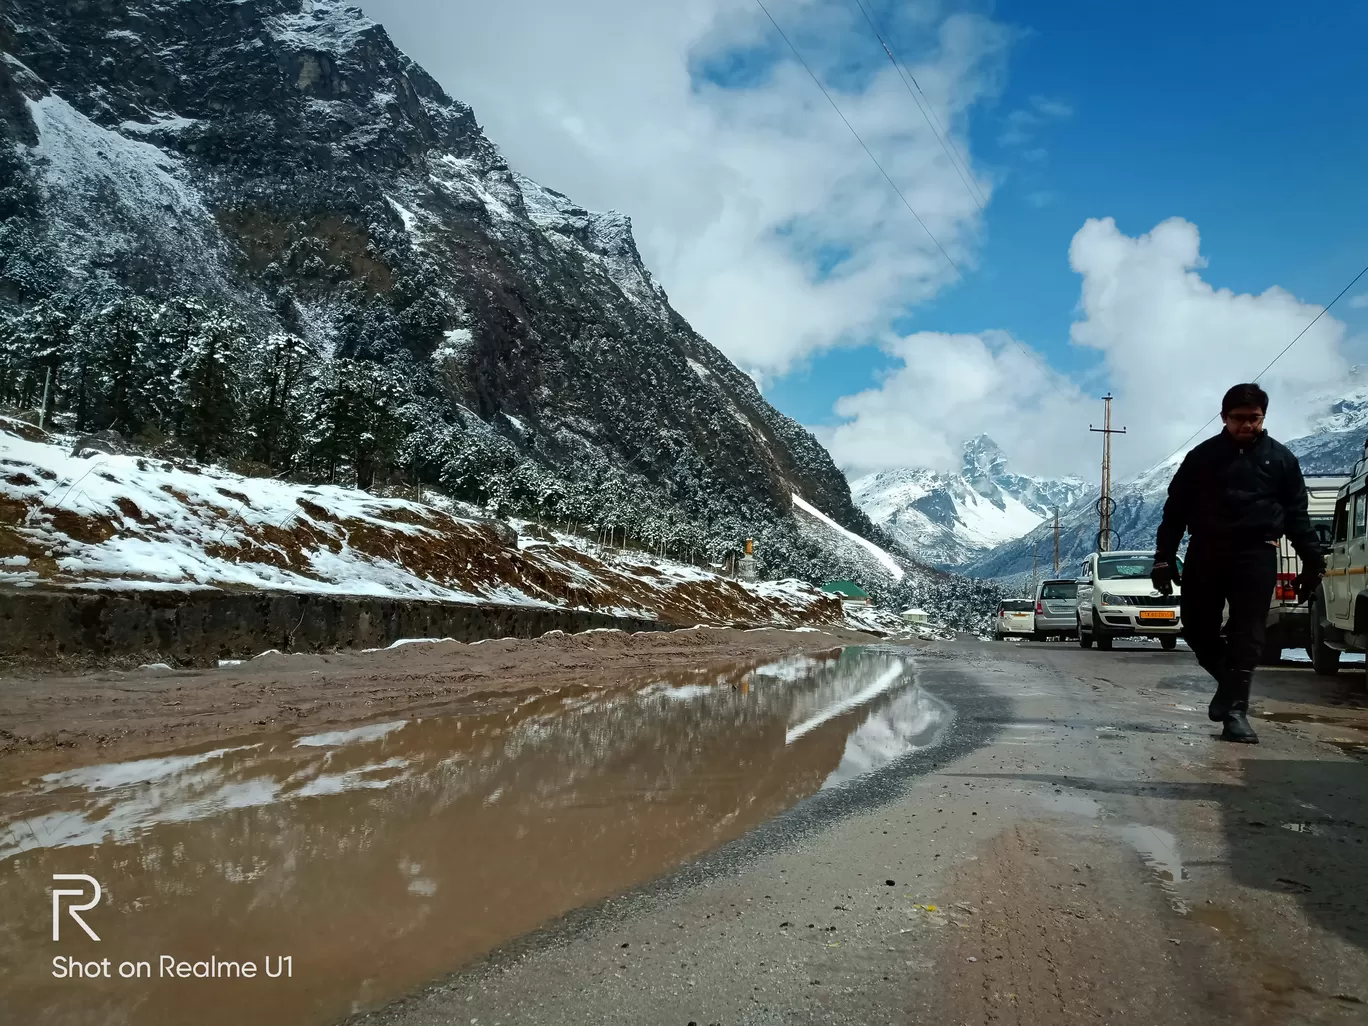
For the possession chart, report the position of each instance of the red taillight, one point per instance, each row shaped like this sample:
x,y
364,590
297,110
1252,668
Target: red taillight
x,y
1285,592
1040,607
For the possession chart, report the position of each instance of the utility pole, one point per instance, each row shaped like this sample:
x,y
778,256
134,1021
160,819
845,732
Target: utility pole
x,y
1106,506
1056,561
1035,568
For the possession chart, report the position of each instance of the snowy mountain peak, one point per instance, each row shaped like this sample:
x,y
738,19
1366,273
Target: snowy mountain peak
x,y
984,459
949,520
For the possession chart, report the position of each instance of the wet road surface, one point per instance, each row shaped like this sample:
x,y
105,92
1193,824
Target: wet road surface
x,y
960,833
380,857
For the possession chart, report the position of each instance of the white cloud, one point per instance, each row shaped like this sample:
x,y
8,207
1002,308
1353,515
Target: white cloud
x,y
1021,124
1170,344
953,387
735,193
1359,302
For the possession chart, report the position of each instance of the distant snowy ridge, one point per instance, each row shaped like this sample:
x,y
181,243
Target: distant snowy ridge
x,y
948,520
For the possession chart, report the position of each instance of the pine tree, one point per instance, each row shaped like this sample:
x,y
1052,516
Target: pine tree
x,y
207,384
116,344
360,411
277,398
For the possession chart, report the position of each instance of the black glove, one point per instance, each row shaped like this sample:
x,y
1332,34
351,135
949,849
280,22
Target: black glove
x,y
1164,576
1304,585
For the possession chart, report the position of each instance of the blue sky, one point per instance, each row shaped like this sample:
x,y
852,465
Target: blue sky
x,y
1250,120
1174,184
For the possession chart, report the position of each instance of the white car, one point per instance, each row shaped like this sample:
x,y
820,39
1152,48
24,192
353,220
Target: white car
x,y
1015,617
1117,600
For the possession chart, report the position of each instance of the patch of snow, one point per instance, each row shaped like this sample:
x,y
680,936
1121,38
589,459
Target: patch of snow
x,y
467,181
521,427
163,123
407,641
703,373
878,553
323,25
108,195
407,216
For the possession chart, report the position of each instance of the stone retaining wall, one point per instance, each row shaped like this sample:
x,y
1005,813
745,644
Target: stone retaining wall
x,y
198,628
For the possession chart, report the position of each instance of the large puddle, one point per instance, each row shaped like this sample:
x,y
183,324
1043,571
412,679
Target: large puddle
x,y
378,858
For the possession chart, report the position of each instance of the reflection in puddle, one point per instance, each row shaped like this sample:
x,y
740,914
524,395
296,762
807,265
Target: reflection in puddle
x,y
1158,848
1071,803
384,856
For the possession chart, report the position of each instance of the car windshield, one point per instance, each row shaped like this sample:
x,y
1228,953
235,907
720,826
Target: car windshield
x,y
1017,606
1059,590
1124,568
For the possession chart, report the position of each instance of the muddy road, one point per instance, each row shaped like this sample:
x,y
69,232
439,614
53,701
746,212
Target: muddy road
x,y
105,714
950,833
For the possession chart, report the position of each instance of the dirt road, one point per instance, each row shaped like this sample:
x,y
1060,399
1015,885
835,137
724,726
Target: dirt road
x,y
1077,849
949,833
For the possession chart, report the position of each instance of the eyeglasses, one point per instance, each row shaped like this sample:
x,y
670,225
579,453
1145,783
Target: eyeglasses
x,y
1245,418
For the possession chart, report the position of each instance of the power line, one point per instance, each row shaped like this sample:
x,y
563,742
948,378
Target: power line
x,y
861,141
1275,359
937,129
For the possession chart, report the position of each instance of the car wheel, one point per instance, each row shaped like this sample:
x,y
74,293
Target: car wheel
x,y
1324,659
1084,638
1104,641
1168,642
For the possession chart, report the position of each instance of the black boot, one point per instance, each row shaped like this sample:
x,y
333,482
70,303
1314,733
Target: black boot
x,y
1237,726
1219,708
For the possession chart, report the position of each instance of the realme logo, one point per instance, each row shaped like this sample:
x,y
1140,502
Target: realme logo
x,y
58,894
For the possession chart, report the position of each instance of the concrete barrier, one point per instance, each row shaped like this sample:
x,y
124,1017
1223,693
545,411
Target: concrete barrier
x,y
197,628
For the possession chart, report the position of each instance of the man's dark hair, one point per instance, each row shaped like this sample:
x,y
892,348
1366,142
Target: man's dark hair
x,y
1248,394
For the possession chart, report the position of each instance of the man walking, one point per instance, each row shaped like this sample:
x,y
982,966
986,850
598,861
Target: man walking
x,y
1237,494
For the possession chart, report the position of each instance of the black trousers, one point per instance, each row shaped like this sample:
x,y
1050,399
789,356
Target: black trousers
x,y
1213,575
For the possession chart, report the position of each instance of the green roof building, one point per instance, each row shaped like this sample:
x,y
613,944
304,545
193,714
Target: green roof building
x,y
848,591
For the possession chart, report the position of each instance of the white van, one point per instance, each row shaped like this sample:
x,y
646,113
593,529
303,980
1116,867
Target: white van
x,y
1339,609
1117,600
1289,621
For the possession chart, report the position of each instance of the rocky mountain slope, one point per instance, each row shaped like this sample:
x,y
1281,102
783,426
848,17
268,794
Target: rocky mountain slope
x,y
254,231
948,520
1330,448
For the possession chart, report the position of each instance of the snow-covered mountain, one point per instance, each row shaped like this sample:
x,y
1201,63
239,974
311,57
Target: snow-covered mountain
x,y
256,230
948,520
1335,441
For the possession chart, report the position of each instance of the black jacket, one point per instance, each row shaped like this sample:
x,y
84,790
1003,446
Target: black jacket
x,y
1235,497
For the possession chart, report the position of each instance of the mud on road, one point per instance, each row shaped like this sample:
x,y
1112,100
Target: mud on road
x,y
56,721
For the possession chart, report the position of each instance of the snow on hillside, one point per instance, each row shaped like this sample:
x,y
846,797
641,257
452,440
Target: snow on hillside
x,y
127,521
888,563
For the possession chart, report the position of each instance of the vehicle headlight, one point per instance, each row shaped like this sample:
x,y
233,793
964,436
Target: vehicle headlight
x,y
1115,600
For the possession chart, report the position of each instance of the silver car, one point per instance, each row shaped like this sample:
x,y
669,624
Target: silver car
x,y
1056,609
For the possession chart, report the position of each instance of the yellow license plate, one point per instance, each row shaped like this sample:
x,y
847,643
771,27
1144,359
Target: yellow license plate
x,y
1157,614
